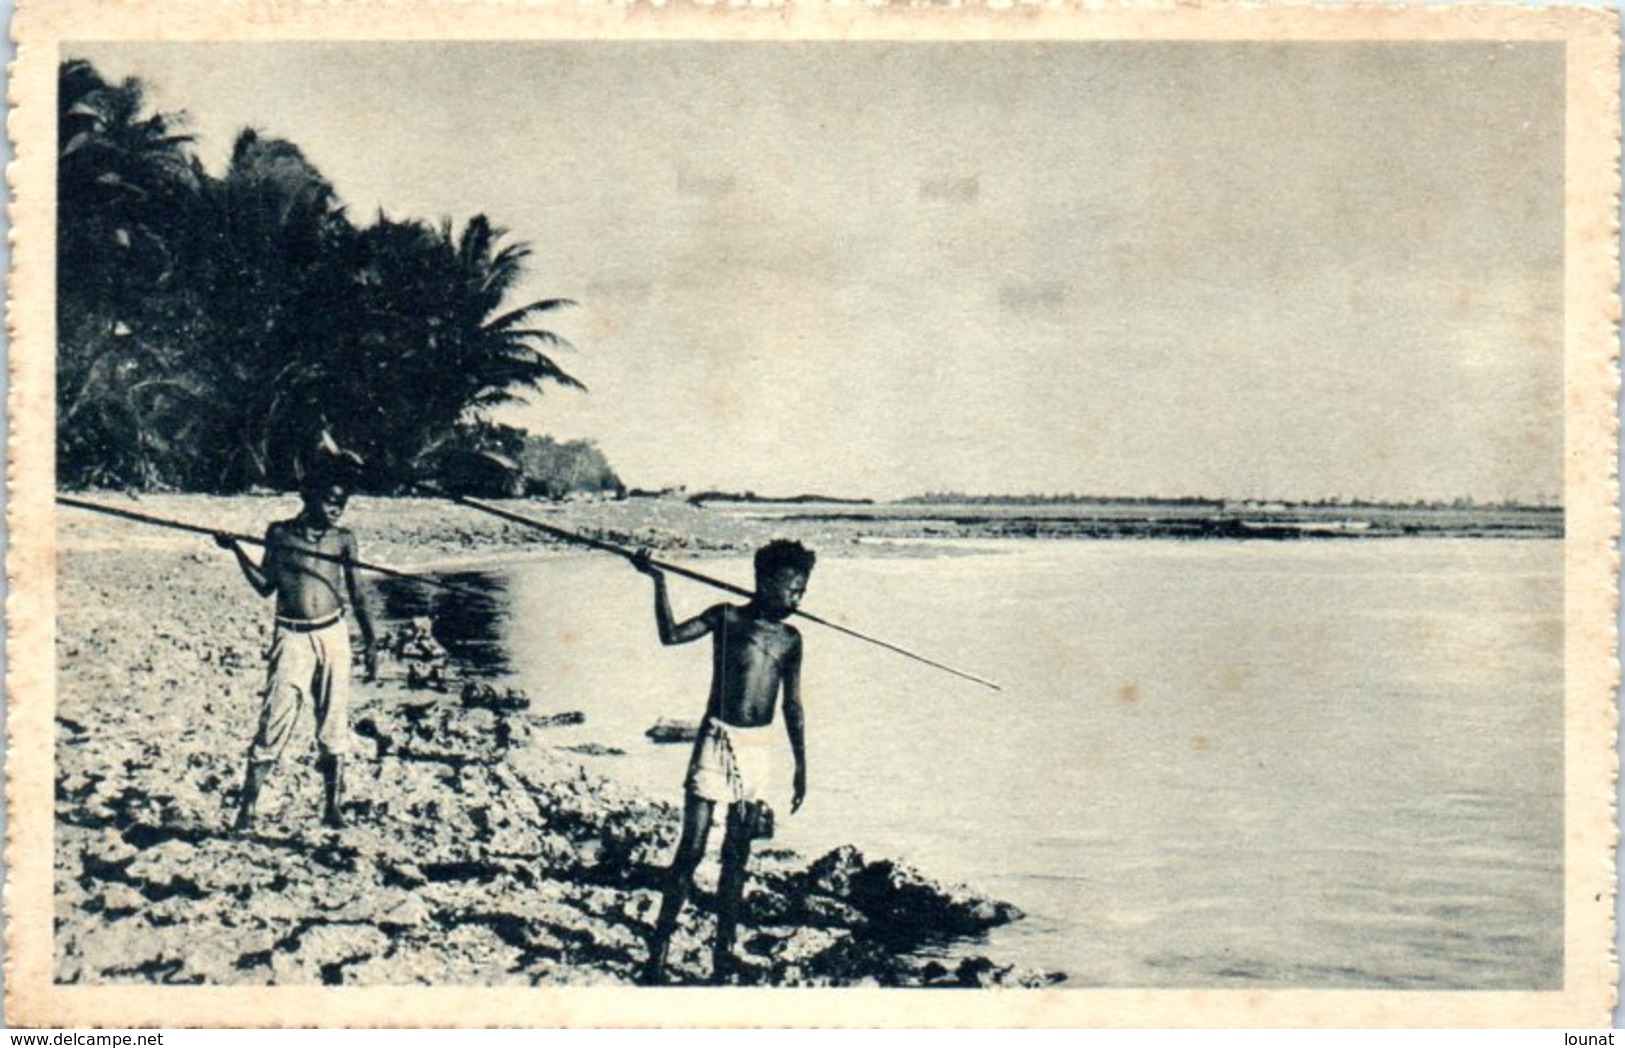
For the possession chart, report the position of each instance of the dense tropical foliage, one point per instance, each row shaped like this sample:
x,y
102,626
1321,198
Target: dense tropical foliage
x,y
493,459
213,329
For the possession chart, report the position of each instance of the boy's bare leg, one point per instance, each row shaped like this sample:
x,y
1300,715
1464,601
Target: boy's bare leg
x,y
253,780
680,878
730,892
332,766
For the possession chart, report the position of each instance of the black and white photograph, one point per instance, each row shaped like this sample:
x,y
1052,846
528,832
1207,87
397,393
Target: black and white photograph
x,y
1105,516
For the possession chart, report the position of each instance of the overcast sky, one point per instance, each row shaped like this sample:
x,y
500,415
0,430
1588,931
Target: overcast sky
x,y
1245,270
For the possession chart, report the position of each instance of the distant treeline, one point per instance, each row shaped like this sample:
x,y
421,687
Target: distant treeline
x,y
703,497
937,498
212,328
503,461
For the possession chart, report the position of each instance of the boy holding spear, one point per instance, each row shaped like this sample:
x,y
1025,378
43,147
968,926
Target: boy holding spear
x,y
309,565
754,655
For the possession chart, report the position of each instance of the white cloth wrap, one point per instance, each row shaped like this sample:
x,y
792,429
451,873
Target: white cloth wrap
x,y
730,763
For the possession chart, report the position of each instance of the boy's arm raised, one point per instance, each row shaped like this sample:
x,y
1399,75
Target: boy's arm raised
x,y
795,723
671,631
259,576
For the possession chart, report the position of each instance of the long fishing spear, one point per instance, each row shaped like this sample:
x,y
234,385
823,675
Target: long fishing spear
x,y
687,573
178,525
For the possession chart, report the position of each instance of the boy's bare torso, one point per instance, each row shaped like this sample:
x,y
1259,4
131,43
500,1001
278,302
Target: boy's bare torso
x,y
306,587
750,657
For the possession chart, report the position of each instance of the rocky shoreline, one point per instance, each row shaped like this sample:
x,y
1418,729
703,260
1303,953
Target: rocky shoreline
x,y
477,852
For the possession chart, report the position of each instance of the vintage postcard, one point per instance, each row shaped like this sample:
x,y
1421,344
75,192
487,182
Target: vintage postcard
x,y
709,514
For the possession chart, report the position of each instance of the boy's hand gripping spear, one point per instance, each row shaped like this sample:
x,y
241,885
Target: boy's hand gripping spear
x,y
228,540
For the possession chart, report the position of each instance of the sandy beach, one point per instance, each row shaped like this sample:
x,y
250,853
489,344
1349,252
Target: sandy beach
x,y
477,852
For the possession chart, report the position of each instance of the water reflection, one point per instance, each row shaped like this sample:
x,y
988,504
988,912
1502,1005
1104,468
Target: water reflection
x,y
469,621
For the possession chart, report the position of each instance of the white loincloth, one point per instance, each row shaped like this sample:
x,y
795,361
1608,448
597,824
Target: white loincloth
x,y
730,763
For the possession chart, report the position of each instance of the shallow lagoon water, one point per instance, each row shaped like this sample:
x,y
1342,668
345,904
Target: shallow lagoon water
x,y
1315,764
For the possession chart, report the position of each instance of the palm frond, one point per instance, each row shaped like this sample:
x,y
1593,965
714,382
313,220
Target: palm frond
x,y
515,315
551,339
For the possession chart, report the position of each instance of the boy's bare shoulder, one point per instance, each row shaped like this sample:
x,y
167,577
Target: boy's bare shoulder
x,y
344,542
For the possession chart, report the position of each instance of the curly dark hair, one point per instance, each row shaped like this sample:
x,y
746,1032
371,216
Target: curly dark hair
x,y
784,553
325,474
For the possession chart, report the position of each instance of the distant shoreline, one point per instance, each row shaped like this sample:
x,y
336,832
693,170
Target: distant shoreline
x,y
1182,521
412,531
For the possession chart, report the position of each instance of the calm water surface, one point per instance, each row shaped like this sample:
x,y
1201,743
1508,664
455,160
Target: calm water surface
x,y
1214,764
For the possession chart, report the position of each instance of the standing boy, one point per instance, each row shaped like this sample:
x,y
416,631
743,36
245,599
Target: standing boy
x,y
753,654
309,662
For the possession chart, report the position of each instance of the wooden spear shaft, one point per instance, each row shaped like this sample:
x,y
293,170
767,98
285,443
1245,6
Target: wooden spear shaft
x,y
196,529
688,573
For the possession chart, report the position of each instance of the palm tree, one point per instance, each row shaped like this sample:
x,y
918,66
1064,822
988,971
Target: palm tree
x,y
121,176
122,179
500,358
276,243
211,328
436,346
